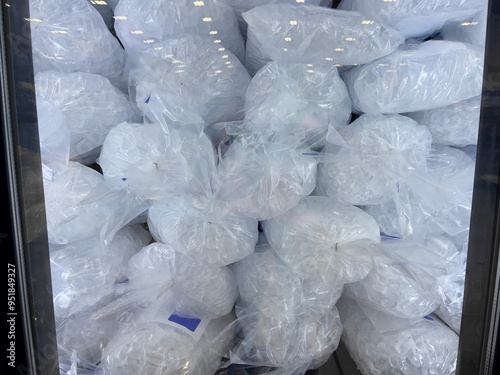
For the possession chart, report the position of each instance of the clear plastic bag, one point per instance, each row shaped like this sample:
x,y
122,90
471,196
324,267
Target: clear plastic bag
x,y
417,77
381,149
160,276
203,228
89,104
297,98
320,238
154,347
241,6
399,284
435,199
472,30
415,18
210,79
84,271
140,25
284,322
264,177
453,125
426,346
80,205
71,36
156,164
309,34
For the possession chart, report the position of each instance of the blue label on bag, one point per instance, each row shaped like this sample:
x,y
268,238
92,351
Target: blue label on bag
x,y
189,323
428,318
147,100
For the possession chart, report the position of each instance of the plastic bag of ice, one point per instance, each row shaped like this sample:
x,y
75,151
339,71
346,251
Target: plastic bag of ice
x,y
53,134
204,228
80,205
264,177
415,18
142,24
162,277
381,149
209,78
90,106
453,125
309,34
285,322
70,36
297,98
435,199
241,6
472,30
160,346
84,271
423,347
417,77
321,238
156,164
398,284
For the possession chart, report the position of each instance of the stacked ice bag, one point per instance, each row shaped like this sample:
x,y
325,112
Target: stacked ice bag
x,y
239,192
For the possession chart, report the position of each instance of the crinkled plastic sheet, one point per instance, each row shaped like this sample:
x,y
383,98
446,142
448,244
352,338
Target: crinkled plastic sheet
x,y
283,322
241,6
435,199
426,346
381,149
89,104
453,125
142,24
417,77
209,78
322,238
106,12
297,98
71,36
309,33
155,163
264,177
416,18
203,228
80,205
153,347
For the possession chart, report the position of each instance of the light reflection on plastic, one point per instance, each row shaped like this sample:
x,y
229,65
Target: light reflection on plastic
x,y
288,39
339,49
217,41
136,32
198,3
213,32
33,19
207,19
149,41
293,23
119,17
221,49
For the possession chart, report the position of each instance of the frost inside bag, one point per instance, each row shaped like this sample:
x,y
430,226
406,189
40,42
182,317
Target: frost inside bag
x,y
285,323
435,199
208,77
381,149
321,238
90,106
79,205
142,24
156,164
423,347
204,228
397,285
453,125
309,34
417,77
70,36
297,98
415,18
241,6
264,177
